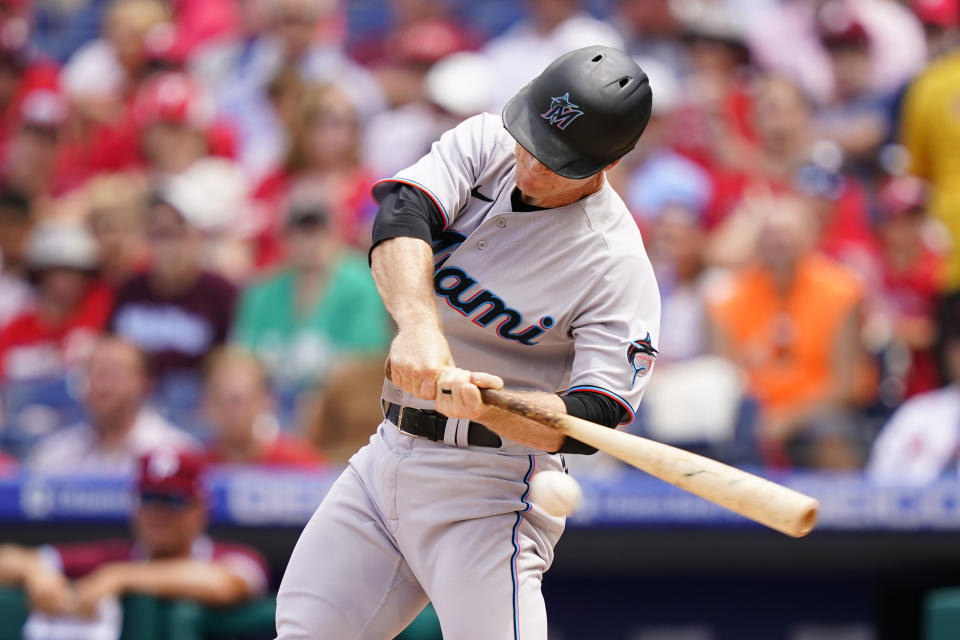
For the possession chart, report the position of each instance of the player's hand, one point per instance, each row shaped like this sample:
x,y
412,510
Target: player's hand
x,y
463,399
102,583
417,356
49,592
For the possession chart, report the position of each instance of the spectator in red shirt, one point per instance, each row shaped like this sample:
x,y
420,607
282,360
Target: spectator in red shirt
x,y
173,114
176,311
324,161
791,158
941,24
169,556
31,157
237,404
71,308
910,291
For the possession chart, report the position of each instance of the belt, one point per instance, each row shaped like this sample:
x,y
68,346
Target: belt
x,y
432,425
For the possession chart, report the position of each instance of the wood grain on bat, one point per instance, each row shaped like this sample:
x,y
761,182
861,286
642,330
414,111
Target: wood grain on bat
x,y
774,505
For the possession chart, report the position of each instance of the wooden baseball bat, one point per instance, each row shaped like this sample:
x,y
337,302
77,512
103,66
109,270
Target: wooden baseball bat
x,y
766,502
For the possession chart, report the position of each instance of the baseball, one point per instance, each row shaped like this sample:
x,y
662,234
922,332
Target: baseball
x,y
555,492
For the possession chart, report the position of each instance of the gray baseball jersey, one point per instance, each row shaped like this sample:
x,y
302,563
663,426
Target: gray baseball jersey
x,y
553,300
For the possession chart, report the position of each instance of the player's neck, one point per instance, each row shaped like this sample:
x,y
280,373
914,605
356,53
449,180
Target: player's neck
x,y
564,198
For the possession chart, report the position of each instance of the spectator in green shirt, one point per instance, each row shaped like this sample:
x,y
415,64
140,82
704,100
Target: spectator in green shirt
x,y
322,306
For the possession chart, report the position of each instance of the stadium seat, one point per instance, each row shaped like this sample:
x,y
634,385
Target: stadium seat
x,y
941,619
32,410
149,618
13,613
425,626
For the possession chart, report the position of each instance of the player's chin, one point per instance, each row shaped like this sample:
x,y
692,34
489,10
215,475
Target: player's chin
x,y
530,186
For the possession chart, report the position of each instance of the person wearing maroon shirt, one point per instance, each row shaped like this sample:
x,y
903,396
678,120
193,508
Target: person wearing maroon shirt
x,y
175,311
168,557
237,403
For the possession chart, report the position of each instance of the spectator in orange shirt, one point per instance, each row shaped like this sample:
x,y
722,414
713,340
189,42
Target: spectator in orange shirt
x,y
791,322
238,405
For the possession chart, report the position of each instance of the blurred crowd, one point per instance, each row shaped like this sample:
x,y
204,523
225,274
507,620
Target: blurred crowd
x,y
185,216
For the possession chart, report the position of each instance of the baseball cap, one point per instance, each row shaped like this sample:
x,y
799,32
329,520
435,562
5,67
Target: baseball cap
x,y
210,196
172,473
941,13
44,108
173,97
61,244
900,196
461,83
710,21
838,25
427,41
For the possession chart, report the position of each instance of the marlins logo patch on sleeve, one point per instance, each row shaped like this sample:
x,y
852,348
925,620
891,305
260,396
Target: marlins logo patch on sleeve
x,y
640,355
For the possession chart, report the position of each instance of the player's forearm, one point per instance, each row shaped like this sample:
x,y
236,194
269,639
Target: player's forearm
x,y
206,582
524,431
16,563
403,271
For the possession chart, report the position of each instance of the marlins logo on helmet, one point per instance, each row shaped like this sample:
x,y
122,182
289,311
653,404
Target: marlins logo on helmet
x,y
561,112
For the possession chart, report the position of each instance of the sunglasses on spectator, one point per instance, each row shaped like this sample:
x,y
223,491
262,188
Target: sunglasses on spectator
x,y
165,233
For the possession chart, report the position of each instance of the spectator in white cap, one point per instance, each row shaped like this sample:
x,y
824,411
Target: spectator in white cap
x,y
71,307
177,311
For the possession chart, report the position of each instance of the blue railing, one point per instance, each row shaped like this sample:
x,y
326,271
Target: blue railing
x,y
245,497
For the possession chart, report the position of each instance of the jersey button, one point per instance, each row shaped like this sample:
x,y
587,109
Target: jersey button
x,y
482,245
501,223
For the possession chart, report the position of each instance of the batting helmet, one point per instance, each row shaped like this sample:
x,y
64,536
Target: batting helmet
x,y
586,110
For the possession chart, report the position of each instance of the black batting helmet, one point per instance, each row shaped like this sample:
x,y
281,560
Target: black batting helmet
x,y
586,110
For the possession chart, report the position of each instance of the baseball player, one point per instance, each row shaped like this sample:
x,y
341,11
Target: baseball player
x,y
506,260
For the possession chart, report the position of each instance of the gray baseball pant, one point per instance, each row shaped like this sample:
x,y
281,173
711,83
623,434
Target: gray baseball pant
x,y
411,521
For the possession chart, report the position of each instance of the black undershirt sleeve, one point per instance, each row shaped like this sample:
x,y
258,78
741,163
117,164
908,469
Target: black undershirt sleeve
x,y
595,408
406,212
